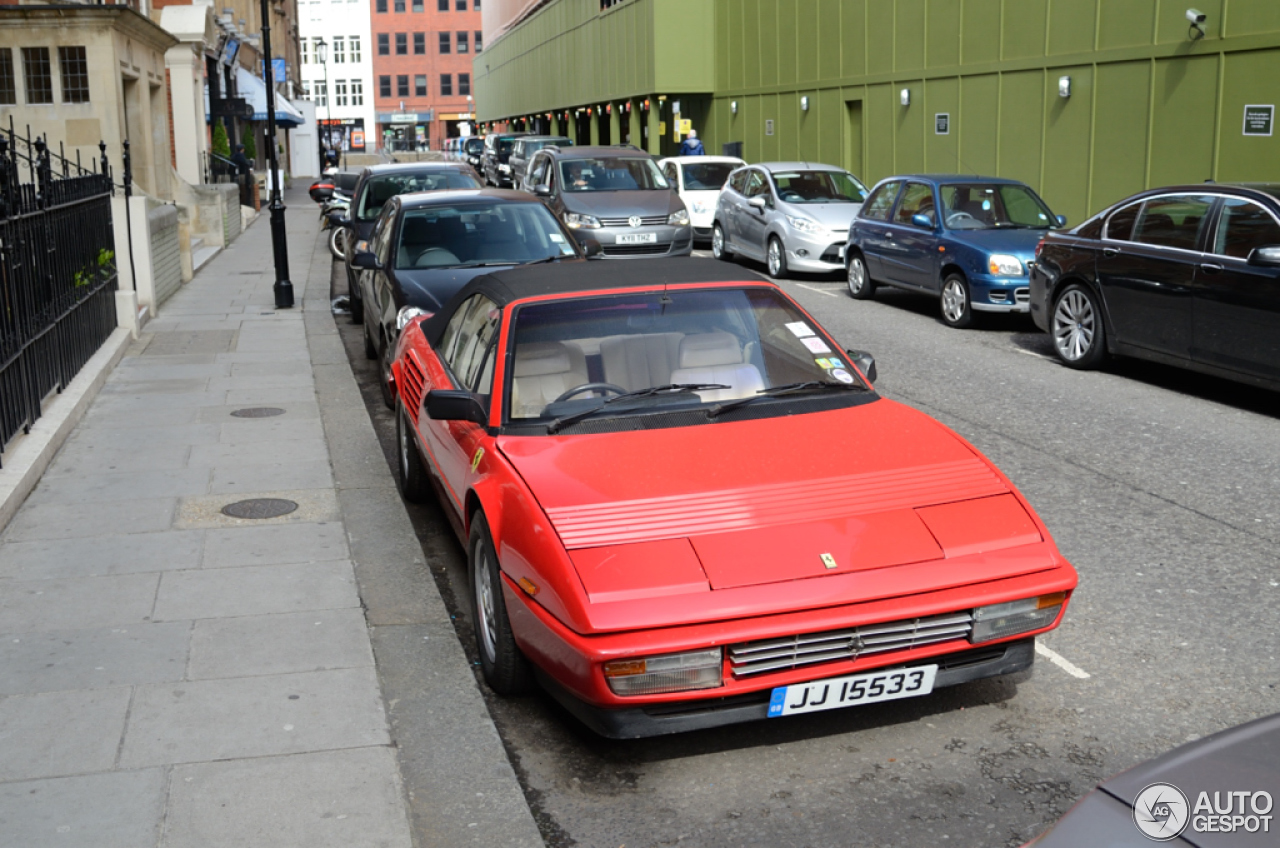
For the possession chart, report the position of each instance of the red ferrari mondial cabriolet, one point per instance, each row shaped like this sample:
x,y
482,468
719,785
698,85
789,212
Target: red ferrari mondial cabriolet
x,y
684,505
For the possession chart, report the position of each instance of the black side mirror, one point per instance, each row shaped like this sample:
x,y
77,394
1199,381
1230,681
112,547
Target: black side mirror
x,y
452,405
542,190
365,259
1266,257
592,249
866,363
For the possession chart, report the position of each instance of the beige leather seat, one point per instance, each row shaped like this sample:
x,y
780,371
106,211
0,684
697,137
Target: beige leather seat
x,y
716,358
543,372
640,361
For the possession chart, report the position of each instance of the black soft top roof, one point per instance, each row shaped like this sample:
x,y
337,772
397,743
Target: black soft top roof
x,y
506,286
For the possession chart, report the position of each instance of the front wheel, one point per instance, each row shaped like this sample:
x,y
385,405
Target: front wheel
x,y
860,285
412,477
506,670
957,311
1079,339
719,249
338,243
384,373
776,259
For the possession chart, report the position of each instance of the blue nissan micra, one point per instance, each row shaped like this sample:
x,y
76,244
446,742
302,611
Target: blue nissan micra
x,y
975,255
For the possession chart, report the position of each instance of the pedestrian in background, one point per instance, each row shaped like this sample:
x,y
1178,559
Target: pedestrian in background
x,y
241,161
692,146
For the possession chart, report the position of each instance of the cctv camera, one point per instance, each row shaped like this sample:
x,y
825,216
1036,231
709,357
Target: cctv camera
x,y
1195,16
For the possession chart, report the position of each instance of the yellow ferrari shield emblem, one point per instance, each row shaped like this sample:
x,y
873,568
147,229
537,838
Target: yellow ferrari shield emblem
x,y
828,560
475,463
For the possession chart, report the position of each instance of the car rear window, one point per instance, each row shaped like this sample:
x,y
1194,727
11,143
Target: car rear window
x,y
709,176
379,190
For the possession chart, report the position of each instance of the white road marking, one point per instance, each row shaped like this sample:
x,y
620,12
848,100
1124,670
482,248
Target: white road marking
x,y
819,291
1031,353
1061,662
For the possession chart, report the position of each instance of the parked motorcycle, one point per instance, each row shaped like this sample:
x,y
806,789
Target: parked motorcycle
x,y
340,203
322,189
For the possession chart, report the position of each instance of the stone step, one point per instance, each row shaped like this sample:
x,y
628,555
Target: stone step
x,y
201,255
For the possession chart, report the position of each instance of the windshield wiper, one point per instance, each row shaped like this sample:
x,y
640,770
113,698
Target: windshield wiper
x,y
670,388
779,391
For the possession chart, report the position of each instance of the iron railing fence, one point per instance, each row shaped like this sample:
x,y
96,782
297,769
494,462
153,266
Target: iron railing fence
x,y
58,275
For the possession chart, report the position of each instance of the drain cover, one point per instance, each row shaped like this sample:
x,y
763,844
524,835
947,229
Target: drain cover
x,y
258,412
259,508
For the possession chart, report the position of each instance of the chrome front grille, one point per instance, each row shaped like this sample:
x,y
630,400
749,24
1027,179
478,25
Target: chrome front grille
x,y
803,649
651,221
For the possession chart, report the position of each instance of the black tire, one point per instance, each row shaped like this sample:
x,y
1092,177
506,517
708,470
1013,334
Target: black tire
x,y
338,243
719,247
370,349
861,286
411,476
1077,328
384,375
505,668
776,259
957,305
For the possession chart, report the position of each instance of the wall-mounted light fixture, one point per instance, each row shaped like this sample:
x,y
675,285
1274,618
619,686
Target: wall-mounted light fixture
x,y
904,97
733,106
1064,86
804,104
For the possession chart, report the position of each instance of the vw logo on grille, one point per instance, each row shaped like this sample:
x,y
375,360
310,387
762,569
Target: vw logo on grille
x,y
634,221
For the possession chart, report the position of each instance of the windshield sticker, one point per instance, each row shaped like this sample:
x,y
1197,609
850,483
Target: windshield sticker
x,y
816,345
800,329
566,250
986,205
824,364
556,237
835,363
842,375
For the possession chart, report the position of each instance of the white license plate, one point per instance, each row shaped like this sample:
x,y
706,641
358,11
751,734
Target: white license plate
x,y
853,690
636,238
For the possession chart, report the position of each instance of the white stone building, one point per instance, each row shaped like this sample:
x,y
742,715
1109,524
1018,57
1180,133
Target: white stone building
x,y
346,98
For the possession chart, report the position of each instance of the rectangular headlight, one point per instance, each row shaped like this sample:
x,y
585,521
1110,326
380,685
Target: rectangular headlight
x,y
668,673
1000,620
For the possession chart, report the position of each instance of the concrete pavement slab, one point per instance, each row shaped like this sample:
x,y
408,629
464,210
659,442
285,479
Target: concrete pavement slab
x,y
255,590
125,417
142,437
291,368
167,387
295,410
138,370
279,428
258,453
278,644
68,604
121,809
255,478
266,397
103,487
206,511
56,521
97,658
103,555
61,733
87,458
274,544
181,400
337,799
253,717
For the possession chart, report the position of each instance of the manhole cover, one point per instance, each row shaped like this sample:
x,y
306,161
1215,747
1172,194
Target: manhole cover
x,y
259,508
258,412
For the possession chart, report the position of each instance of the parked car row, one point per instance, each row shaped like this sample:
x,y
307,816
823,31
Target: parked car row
x,y
467,150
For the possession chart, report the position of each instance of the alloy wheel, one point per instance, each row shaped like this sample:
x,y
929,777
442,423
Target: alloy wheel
x,y
857,276
717,242
775,258
485,607
1074,325
954,301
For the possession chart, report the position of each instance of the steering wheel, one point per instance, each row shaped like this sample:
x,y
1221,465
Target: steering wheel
x,y
958,216
591,387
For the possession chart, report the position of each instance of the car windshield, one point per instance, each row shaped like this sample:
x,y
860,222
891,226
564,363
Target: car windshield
x,y
991,206
472,234
617,173
707,176
505,145
381,189
819,187
730,343
474,145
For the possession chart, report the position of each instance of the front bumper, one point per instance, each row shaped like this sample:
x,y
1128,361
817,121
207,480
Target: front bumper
x,y
815,254
669,241
678,717
999,294
1040,299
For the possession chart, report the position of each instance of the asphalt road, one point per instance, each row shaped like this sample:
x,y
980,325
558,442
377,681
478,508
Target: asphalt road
x,y
1161,486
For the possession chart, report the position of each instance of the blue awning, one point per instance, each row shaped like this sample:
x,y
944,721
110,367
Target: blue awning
x,y
254,90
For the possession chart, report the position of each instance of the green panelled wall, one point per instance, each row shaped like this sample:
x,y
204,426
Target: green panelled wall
x,y
1149,105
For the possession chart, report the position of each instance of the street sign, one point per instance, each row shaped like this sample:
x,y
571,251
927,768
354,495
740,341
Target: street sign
x,y
404,117
942,123
1258,120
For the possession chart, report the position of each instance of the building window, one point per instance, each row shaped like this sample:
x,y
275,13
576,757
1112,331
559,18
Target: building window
x,y
315,47
446,85
442,5
479,40
464,84
382,6
402,85
384,86
463,47
420,85
38,74
461,5
417,5
402,43
340,92
306,89
321,94
399,5
354,44
75,74
419,43
475,5
444,42
8,82
384,44
357,92
339,50
305,44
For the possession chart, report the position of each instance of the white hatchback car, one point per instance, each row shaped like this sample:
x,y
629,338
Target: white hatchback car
x,y
698,180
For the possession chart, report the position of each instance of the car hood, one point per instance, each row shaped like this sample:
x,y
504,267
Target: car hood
x,y
1020,243
833,216
816,498
431,289
622,204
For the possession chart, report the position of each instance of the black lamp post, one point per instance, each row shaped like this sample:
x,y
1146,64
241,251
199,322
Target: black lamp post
x,y
322,53
279,245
